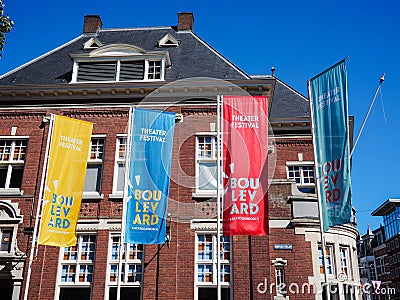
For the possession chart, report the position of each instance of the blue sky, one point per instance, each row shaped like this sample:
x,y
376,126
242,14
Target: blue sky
x,y
299,38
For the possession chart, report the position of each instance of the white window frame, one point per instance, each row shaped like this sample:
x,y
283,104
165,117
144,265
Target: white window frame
x,y
223,262
126,262
3,229
280,284
96,162
372,270
345,261
198,160
168,38
301,164
330,258
78,262
379,238
10,218
119,161
118,61
148,64
381,267
11,163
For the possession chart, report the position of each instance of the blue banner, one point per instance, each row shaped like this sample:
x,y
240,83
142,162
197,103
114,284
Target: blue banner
x,y
329,108
149,176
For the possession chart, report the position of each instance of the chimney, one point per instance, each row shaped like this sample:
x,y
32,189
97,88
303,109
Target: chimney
x,y
92,23
185,21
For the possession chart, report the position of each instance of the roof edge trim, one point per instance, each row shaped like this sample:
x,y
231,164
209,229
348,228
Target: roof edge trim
x,y
135,28
292,89
386,207
41,56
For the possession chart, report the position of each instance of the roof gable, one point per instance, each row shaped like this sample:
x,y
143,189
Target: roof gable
x,y
168,41
193,57
93,43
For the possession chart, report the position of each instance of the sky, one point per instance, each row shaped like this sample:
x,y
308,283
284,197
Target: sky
x,y
298,38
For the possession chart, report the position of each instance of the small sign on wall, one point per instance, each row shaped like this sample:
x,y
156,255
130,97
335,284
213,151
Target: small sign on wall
x,y
283,247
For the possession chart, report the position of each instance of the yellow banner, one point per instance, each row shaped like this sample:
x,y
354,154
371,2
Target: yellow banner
x,y
66,171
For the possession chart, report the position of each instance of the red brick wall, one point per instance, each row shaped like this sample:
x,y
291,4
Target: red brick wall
x,y
169,272
287,150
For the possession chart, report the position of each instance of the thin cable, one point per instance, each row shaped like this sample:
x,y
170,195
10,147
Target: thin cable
x,y
383,106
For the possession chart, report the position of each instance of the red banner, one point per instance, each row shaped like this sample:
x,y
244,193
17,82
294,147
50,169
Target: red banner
x,y
245,155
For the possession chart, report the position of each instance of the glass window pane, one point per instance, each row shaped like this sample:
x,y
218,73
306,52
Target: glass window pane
x,y
5,150
16,177
113,273
205,150
70,253
75,293
6,238
97,149
127,293
86,273
207,176
19,150
68,273
122,148
93,178
3,177
121,177
134,273
205,273
154,70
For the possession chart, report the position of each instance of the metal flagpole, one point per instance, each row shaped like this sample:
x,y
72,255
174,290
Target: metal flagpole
x,y
35,236
122,245
381,80
317,182
219,185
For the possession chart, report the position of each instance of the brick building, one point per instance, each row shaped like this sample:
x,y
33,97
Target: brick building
x,y
374,264
96,77
389,211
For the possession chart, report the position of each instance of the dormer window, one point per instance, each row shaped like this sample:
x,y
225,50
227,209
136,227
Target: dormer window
x,y
93,43
112,71
119,63
154,70
168,41
91,71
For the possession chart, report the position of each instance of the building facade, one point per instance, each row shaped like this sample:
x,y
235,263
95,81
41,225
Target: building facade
x,y
97,77
389,211
374,264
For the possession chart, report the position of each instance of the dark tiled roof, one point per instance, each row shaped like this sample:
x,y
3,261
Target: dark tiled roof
x,y
288,103
192,58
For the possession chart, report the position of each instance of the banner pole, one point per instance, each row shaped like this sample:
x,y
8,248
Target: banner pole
x,y
35,237
369,110
219,177
317,181
122,245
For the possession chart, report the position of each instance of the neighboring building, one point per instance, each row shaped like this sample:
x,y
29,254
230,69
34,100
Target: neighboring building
x,y
97,77
390,211
381,259
374,263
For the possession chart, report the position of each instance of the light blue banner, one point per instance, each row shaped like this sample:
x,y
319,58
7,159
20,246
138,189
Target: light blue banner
x,y
149,176
328,94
